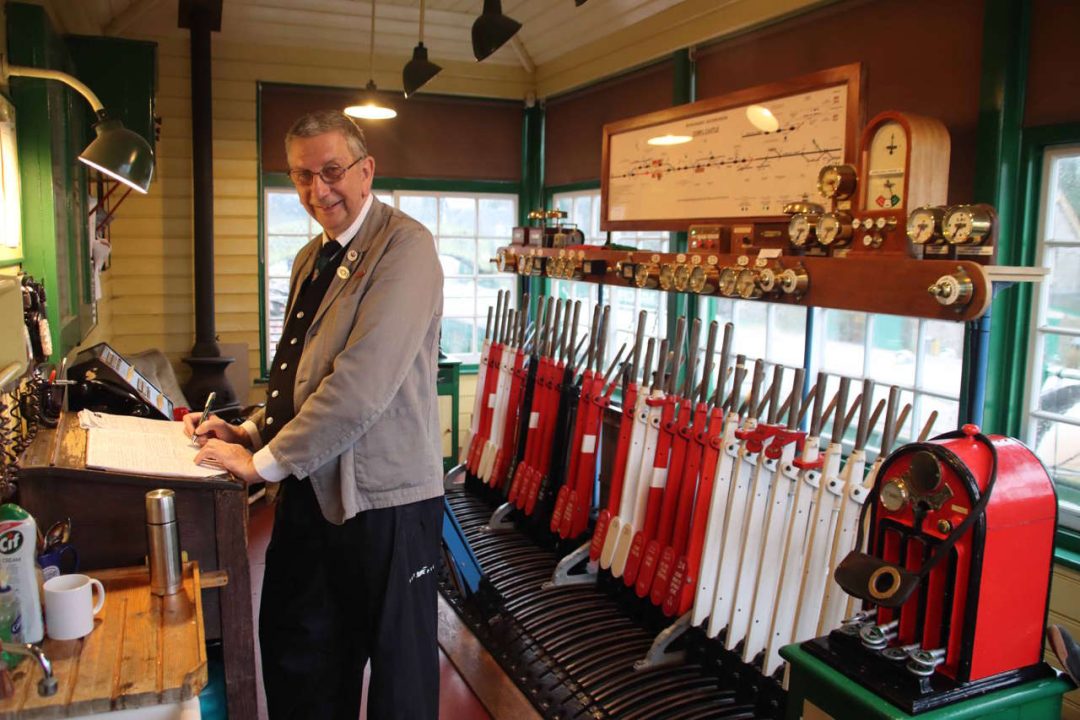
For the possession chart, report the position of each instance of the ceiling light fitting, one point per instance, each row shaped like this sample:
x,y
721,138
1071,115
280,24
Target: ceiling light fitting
x,y
369,107
418,71
492,30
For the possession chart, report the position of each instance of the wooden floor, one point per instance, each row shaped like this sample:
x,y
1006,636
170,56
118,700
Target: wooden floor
x,y
456,700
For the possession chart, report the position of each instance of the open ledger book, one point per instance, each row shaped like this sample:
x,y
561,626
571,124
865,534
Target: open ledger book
x,y
141,445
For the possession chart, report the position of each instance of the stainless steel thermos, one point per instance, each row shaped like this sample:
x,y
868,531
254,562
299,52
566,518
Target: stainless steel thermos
x,y
163,542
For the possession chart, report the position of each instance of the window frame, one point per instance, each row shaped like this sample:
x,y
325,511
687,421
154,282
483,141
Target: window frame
x,y
380,186
1038,212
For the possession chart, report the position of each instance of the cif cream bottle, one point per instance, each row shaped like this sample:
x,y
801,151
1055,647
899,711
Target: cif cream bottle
x,y
18,543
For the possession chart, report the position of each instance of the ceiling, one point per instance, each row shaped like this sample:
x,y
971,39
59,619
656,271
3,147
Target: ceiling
x,y
551,29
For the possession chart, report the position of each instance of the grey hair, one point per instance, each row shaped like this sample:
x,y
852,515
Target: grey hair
x,y
324,121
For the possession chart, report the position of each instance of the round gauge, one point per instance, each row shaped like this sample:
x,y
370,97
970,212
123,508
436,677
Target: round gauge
x,y
767,280
837,182
746,284
794,281
955,289
643,273
886,167
968,224
924,225
504,260
834,229
667,276
681,277
728,276
894,495
800,229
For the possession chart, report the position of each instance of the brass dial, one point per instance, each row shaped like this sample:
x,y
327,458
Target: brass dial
x,y
728,276
837,182
968,224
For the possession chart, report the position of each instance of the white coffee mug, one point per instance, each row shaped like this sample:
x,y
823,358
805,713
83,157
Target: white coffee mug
x,y
70,606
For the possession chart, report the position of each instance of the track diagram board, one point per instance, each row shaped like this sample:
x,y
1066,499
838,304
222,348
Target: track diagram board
x,y
730,169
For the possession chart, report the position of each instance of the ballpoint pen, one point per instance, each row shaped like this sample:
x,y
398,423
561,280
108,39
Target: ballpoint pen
x,y
207,410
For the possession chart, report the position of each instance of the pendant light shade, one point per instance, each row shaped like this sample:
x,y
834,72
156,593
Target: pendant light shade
x,y
492,30
369,106
419,70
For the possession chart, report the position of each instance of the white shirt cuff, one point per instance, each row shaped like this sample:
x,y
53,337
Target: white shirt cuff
x,y
253,433
268,468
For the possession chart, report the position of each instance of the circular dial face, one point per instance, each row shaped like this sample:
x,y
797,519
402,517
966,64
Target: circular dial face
x,y
728,277
894,495
800,229
886,164
746,284
833,229
794,281
681,277
967,224
767,279
642,273
924,225
837,181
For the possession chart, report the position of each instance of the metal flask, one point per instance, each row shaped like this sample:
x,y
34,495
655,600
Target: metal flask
x,y
163,542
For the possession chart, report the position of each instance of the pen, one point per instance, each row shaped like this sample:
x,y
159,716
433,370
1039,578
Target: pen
x,y
206,413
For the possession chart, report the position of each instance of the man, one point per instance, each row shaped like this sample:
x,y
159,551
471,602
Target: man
x,y
351,431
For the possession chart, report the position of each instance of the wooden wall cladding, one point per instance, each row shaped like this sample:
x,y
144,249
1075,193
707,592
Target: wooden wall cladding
x,y
574,123
919,56
1053,92
432,136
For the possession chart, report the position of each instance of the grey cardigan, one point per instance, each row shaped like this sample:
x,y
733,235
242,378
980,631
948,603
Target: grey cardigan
x,y
366,430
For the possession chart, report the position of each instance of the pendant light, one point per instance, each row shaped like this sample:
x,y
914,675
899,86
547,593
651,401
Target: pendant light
x,y
369,107
419,70
492,29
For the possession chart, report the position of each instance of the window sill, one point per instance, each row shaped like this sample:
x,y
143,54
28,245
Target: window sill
x,y
1067,548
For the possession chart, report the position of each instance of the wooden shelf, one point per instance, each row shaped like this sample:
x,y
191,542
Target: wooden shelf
x,y
887,283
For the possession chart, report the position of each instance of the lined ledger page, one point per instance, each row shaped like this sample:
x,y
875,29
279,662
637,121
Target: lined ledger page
x,y
143,446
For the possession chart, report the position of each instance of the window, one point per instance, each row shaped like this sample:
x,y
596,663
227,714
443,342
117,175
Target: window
x,y
10,213
583,209
467,227
924,358
1053,422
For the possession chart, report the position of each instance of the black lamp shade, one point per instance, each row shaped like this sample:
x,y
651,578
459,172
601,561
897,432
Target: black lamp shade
x,y
121,154
492,29
418,71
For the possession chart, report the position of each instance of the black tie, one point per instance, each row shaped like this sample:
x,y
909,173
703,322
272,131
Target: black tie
x,y
327,253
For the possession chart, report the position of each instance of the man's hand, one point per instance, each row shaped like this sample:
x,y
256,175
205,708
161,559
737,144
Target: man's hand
x,y
215,427
232,457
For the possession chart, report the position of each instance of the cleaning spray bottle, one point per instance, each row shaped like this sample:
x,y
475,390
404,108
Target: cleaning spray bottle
x,y
18,542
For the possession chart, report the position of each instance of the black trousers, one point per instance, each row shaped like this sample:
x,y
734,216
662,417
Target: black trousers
x,y
335,596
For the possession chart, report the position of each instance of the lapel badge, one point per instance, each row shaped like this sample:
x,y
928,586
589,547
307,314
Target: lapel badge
x,y
351,256
343,272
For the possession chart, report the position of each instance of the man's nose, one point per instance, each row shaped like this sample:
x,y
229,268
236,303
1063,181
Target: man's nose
x,y
319,187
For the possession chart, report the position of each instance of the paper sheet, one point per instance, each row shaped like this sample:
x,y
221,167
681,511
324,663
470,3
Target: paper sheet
x,y
141,445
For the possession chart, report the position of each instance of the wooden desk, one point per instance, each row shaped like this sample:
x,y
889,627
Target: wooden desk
x,y
108,515
144,650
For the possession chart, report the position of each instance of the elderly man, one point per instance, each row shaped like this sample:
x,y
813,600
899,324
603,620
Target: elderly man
x,y
351,432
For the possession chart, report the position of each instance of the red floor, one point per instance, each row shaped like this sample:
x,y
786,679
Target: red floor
x,y
456,700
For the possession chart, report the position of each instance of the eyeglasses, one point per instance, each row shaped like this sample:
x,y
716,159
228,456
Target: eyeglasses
x,y
329,174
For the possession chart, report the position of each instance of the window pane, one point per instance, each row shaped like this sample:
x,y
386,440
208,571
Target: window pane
x,y
1065,199
583,216
942,357
285,214
787,331
1059,383
458,297
485,253
424,208
948,415
385,197
280,251
750,329
457,335
1058,446
457,216
844,337
1063,286
892,349
497,217
487,289
458,256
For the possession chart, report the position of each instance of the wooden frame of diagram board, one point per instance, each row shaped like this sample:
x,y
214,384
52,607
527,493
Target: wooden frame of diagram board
x,y
731,171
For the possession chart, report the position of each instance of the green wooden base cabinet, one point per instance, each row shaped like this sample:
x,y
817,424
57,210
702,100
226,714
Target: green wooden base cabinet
x,y
818,692
448,380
